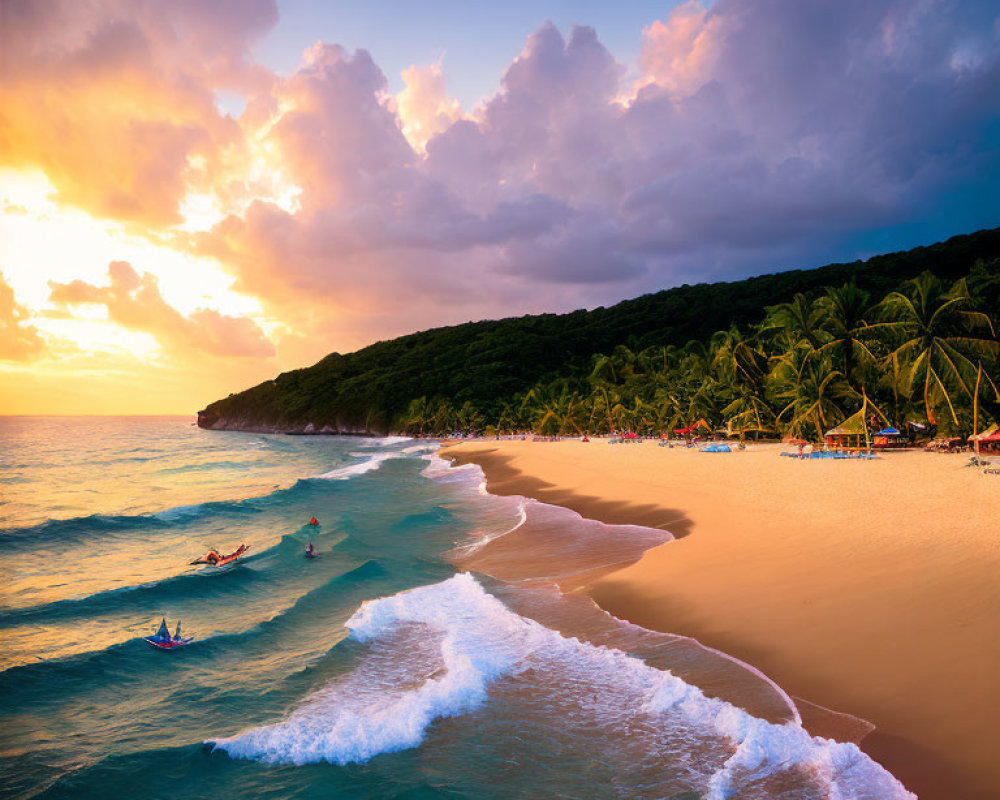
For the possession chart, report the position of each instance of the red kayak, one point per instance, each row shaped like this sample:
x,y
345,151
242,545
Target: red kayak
x,y
214,559
167,644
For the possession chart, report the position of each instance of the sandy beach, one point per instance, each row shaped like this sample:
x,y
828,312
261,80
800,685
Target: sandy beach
x,y
871,588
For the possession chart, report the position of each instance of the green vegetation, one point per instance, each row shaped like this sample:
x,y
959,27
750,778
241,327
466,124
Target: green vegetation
x,y
911,335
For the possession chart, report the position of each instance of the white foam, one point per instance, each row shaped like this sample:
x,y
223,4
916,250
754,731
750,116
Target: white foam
x,y
479,640
441,469
420,448
386,441
484,537
347,723
371,462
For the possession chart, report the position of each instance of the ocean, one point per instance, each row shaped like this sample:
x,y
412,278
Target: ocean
x,y
427,652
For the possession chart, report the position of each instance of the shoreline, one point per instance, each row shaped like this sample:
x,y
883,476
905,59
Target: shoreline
x,y
797,569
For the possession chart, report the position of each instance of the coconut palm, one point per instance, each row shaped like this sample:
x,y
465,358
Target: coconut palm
x,y
417,415
553,407
739,362
469,419
809,391
937,341
442,419
844,317
802,318
749,413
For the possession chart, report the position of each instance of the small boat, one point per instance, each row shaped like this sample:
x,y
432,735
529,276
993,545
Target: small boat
x,y
214,559
162,640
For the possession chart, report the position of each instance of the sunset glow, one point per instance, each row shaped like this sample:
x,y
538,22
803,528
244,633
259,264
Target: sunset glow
x,y
182,216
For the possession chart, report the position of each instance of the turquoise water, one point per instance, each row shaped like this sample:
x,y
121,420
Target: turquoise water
x,y
380,669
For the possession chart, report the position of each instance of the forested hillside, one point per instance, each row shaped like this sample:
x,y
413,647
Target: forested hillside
x,y
734,353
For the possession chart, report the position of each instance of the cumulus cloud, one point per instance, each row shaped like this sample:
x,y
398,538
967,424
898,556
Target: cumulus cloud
x,y
135,302
19,341
115,101
679,52
759,135
425,109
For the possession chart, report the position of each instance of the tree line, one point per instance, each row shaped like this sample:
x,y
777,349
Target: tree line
x,y
659,358
925,352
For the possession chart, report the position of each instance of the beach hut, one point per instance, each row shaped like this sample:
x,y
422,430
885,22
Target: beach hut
x,y
888,437
988,440
991,442
985,433
855,431
849,434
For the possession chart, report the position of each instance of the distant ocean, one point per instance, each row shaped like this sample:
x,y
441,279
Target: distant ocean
x,y
404,662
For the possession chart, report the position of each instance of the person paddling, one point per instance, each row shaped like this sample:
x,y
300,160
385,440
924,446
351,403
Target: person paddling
x,y
162,640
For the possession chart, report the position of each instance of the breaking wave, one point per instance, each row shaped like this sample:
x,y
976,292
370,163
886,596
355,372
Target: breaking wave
x,y
439,651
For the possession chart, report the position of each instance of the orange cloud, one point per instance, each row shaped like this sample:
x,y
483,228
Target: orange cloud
x,y
424,107
136,303
678,53
18,340
118,107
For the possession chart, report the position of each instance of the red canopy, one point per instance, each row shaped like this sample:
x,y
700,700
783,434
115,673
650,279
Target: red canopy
x,y
993,437
685,430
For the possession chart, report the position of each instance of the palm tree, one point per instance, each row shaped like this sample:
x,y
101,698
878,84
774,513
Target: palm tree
x,y
807,388
468,418
811,400
553,407
442,420
416,416
936,341
741,363
801,317
509,418
844,312
607,375
749,413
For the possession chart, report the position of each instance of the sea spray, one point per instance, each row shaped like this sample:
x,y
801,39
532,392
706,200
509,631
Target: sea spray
x,y
468,640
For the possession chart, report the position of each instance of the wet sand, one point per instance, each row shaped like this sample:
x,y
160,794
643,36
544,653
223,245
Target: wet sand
x,y
871,588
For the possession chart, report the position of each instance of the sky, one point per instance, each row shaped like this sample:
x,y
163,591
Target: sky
x,y
196,196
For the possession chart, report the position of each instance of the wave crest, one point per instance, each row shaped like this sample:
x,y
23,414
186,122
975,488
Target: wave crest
x,y
370,463
435,651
